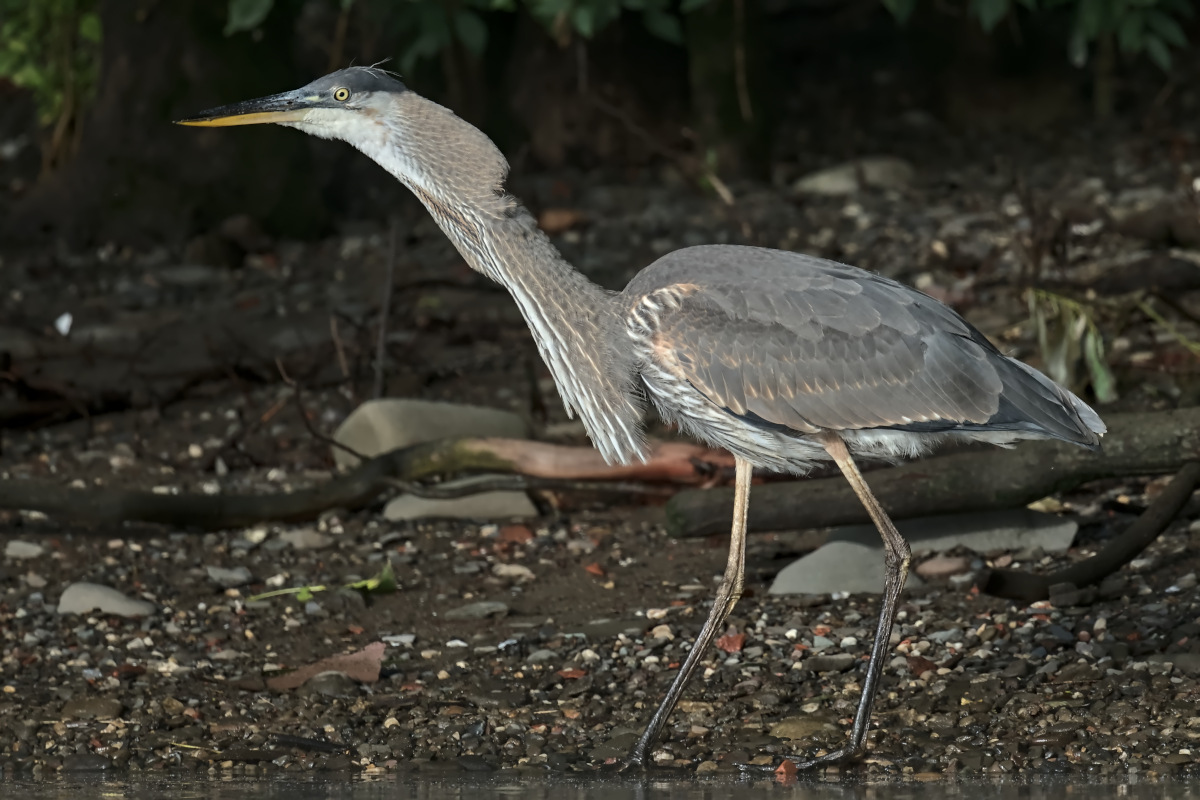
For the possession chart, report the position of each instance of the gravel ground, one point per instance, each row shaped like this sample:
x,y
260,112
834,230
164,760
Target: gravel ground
x,y
593,605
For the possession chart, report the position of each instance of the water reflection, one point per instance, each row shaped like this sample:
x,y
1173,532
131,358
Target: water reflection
x,y
537,787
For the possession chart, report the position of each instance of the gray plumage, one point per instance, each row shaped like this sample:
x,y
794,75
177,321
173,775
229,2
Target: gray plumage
x,y
795,345
782,358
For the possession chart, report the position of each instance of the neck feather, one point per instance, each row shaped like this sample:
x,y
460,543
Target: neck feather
x,y
574,322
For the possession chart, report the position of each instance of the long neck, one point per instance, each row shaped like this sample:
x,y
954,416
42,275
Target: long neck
x,y
573,320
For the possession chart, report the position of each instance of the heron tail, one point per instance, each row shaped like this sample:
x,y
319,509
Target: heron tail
x,y
1033,402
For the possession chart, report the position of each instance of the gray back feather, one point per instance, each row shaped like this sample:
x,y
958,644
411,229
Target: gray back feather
x,y
807,344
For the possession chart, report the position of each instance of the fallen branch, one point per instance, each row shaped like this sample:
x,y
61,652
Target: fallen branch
x,y
1029,588
977,480
669,462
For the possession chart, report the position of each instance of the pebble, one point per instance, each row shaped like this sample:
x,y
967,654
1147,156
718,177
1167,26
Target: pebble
x,y
306,539
943,566
516,572
835,662
229,577
19,550
542,656
84,598
481,610
90,707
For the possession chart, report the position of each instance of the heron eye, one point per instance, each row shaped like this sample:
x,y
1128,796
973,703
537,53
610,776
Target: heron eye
x,y
341,95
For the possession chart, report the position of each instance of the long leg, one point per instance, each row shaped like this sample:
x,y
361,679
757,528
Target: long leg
x,y
896,571
727,597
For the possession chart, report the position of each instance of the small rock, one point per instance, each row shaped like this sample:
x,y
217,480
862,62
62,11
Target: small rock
x,y
943,566
306,539
1017,669
92,708
84,598
229,577
801,727
541,656
332,684
941,637
18,550
517,572
481,610
85,762
1184,662
835,662
878,172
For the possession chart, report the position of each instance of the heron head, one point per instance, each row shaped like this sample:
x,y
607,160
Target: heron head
x,y
423,144
350,104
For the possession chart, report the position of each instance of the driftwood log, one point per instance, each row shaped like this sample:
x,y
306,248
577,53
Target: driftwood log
x,y
670,462
1137,444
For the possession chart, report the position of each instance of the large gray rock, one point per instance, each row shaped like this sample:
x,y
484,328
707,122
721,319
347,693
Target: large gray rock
x,y
851,560
378,426
877,172
84,598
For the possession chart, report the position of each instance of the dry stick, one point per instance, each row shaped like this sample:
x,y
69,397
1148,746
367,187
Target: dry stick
x,y
1153,443
1029,588
362,486
381,346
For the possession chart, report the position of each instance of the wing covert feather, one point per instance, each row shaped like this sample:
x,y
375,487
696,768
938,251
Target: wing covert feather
x,y
809,349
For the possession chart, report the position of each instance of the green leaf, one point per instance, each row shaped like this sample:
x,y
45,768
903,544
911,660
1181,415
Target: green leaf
x,y
383,582
1089,19
471,31
584,21
990,12
1103,381
245,15
1167,28
664,26
89,27
1131,33
1159,53
901,9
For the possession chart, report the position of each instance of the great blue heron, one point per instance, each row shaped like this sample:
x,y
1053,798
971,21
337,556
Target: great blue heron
x,y
783,359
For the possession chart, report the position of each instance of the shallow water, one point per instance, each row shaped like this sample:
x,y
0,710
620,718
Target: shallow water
x,y
538,787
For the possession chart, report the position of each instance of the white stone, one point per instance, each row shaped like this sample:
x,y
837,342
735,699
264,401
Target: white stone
x,y
378,426
84,598
18,550
879,172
